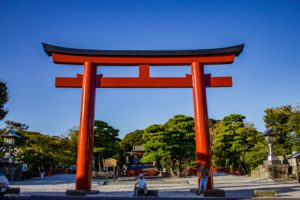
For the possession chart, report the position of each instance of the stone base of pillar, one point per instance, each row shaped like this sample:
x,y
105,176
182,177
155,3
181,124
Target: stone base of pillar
x,y
272,162
81,192
210,193
214,193
92,192
76,192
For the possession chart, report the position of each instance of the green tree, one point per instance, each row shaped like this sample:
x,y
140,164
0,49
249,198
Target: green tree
x,y
106,142
249,145
73,145
285,121
294,124
182,141
155,143
131,139
171,143
38,150
223,152
16,125
3,99
278,119
233,141
257,154
213,125
232,122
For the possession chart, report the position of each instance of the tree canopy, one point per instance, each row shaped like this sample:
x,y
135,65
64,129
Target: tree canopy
x,y
16,125
131,139
285,122
39,150
234,141
106,137
106,142
171,144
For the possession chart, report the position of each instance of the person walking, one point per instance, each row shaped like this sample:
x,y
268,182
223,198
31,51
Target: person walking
x,y
42,172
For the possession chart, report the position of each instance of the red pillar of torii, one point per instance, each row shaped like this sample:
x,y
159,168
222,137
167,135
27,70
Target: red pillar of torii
x,y
89,81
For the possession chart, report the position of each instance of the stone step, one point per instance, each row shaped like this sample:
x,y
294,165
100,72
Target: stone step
x,y
264,193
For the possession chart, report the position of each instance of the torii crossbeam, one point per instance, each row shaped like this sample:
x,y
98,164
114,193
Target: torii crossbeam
x,y
89,81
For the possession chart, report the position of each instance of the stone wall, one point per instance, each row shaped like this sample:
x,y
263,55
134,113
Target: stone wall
x,y
12,171
278,171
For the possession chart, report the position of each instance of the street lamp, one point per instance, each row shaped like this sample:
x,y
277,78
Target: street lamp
x,y
9,137
270,139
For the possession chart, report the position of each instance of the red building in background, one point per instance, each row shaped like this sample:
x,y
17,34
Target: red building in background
x,y
133,165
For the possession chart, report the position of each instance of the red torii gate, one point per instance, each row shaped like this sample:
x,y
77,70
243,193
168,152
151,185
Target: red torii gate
x,y
89,81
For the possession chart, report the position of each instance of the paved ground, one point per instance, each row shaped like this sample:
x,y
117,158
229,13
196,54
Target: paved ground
x,y
234,186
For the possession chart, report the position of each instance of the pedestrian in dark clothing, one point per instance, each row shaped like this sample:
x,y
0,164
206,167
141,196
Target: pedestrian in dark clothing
x,y
204,174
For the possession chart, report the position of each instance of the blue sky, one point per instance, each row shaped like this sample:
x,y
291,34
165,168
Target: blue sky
x,y
265,75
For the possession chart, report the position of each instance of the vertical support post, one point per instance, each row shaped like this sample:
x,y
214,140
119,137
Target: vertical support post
x,y
144,71
201,119
86,130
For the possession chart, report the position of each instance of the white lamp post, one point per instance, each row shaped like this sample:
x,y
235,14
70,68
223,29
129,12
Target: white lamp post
x,y
270,139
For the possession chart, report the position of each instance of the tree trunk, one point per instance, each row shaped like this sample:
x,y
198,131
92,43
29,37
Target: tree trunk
x,y
243,165
99,163
171,172
172,169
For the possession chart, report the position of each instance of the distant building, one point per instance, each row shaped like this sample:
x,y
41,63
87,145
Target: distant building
x,y
135,167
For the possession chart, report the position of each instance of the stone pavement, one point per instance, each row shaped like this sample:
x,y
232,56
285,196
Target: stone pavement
x,y
234,186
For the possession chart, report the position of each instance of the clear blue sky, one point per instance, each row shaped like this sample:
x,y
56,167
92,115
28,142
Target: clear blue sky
x,y
266,74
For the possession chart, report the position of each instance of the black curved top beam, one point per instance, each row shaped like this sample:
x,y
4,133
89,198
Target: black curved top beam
x,y
236,50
